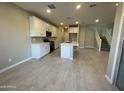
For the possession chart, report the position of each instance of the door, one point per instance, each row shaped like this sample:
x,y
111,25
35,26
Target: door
x,y
120,76
82,36
89,38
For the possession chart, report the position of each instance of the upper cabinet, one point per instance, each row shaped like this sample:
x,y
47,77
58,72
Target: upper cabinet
x,y
54,31
74,30
35,26
39,27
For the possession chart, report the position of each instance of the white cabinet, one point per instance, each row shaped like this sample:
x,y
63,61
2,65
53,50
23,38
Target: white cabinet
x,y
74,30
39,27
44,29
71,30
36,26
54,31
36,53
40,49
56,44
69,51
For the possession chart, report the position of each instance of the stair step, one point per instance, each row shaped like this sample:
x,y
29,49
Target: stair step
x,y
105,46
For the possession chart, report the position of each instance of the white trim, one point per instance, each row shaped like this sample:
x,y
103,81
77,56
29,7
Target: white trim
x,y
117,49
97,49
108,79
14,65
88,47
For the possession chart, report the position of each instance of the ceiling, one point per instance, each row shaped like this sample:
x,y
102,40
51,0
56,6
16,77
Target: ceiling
x,y
105,12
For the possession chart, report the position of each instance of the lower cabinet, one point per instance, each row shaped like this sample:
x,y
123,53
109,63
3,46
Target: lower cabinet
x,y
40,49
69,51
56,43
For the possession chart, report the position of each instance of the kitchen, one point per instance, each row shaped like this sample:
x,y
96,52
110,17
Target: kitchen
x,y
42,32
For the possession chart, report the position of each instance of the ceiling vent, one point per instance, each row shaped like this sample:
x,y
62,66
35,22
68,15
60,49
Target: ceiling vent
x,y
68,17
51,6
92,5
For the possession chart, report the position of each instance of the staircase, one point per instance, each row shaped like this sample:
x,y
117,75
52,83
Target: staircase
x,y
105,45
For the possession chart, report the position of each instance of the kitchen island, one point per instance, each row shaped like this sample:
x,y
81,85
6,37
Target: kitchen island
x,y
67,50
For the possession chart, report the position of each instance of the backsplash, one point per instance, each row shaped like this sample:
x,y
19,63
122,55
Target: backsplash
x,y
36,39
40,39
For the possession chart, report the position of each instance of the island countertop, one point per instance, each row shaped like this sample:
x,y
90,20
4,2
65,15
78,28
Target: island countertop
x,y
71,44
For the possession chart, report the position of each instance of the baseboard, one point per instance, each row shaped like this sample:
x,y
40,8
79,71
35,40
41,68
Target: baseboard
x,y
97,49
88,47
80,47
108,79
14,65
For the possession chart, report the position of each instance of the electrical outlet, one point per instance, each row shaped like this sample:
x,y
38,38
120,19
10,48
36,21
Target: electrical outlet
x,y
10,60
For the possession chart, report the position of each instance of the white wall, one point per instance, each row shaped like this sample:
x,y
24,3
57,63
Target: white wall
x,y
14,35
87,36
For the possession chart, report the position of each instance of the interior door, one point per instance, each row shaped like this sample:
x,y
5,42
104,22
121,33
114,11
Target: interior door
x,y
89,38
82,36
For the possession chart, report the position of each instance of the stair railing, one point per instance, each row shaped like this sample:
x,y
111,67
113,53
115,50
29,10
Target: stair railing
x,y
99,40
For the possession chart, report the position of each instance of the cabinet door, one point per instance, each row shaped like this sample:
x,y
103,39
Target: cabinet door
x,y
49,27
41,50
69,51
36,51
76,30
71,30
33,31
44,29
56,44
35,26
54,32
47,49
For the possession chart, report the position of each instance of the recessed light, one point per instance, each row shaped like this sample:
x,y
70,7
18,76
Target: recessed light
x,y
78,7
61,23
48,11
97,20
76,22
66,27
116,4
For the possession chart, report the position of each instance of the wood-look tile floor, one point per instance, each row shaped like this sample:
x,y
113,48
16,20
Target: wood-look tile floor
x,y
85,72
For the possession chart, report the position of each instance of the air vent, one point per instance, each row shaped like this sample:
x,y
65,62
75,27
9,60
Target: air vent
x,y
92,5
51,6
68,17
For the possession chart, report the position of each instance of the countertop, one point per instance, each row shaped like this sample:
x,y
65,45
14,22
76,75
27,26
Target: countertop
x,y
41,43
71,44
